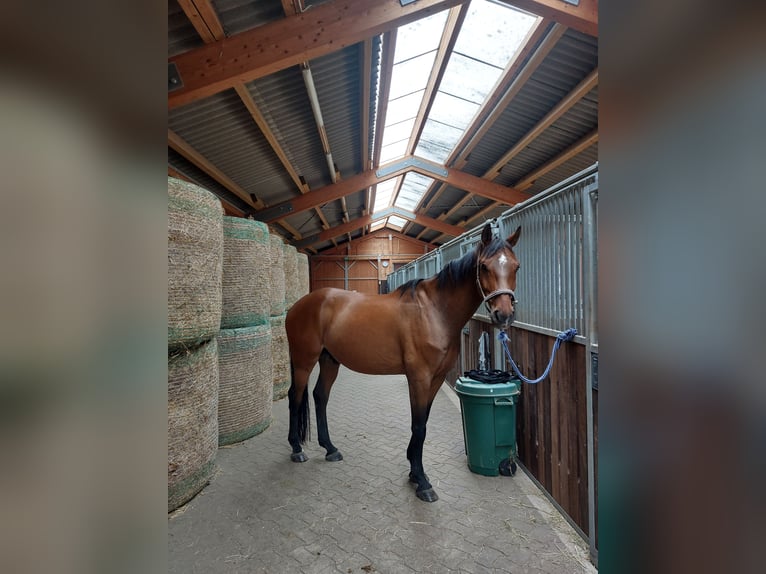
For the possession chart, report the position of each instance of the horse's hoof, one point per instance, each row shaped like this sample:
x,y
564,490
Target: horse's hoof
x,y
427,494
299,457
334,456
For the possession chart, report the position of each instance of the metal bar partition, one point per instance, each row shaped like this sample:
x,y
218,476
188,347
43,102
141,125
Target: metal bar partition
x,y
557,283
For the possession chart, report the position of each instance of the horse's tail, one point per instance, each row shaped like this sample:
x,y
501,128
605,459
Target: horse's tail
x,y
301,407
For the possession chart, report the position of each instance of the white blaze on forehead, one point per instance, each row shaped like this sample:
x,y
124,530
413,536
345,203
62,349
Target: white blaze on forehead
x,y
503,260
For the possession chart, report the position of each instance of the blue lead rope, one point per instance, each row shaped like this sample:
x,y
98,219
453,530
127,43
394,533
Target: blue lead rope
x,y
567,335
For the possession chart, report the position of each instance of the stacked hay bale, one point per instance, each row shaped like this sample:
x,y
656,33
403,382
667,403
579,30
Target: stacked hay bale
x,y
195,257
244,362
291,275
280,355
302,261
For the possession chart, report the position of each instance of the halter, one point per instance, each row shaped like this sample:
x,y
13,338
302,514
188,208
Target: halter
x,y
495,293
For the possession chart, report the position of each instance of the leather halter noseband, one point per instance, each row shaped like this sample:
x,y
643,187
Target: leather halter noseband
x,y
495,293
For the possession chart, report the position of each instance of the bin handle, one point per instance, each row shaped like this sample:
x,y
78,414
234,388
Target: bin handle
x,y
503,402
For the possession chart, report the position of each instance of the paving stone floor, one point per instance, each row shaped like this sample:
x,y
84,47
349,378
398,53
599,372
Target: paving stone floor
x,y
263,513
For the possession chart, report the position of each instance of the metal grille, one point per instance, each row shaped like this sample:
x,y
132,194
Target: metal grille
x,y
556,251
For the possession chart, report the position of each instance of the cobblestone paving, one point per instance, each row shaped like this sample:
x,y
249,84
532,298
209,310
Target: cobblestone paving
x,y
263,513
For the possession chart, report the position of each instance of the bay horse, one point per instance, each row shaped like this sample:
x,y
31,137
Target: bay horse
x,y
414,330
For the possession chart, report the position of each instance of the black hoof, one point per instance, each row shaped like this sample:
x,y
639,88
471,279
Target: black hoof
x,y
299,457
333,456
427,494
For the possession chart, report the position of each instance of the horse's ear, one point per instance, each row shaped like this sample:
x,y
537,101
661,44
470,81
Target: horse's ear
x,y
512,239
486,235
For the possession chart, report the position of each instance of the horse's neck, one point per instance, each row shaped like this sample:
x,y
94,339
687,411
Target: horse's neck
x,y
456,304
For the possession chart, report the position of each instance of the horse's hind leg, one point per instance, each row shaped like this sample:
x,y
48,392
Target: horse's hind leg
x,y
328,372
298,397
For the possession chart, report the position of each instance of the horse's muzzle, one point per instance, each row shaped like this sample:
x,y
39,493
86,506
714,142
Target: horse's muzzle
x,y
503,319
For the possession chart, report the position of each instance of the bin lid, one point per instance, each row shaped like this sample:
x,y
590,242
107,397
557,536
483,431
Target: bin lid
x,y
466,386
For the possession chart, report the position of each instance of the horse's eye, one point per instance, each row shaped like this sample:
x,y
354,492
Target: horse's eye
x,y
483,267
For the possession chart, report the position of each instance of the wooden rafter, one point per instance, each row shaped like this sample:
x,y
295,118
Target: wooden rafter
x,y
528,180
584,143
522,73
205,20
583,17
566,103
283,43
455,20
516,73
456,178
359,222
181,146
365,98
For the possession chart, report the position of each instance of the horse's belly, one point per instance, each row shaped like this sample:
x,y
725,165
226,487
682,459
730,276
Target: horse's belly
x,y
369,360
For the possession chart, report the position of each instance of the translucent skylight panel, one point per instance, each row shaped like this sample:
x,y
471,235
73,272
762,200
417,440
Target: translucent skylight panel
x,y
378,225
403,108
453,111
383,194
397,132
483,78
396,221
411,75
492,33
413,188
437,141
393,151
420,36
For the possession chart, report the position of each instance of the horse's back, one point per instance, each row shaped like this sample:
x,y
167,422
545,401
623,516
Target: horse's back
x,y
363,332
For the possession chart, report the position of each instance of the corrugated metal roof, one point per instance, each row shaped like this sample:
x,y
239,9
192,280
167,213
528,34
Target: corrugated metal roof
x,y
180,164
239,15
182,36
221,128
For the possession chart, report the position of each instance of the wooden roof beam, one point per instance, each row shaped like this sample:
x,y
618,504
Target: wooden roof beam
x,y
582,144
354,224
579,92
517,72
454,177
277,45
583,17
205,20
182,147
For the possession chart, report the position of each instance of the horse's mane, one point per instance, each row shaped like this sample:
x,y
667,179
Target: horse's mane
x,y
457,270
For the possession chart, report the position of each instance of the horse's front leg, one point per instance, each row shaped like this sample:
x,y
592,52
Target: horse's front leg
x,y
424,490
421,398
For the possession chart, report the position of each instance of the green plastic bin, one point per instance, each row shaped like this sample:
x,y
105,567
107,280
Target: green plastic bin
x,y
489,423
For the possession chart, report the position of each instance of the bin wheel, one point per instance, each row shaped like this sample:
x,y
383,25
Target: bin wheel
x,y
507,467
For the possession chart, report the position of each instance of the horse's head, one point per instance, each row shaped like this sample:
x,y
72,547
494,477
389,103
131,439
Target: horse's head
x,y
496,267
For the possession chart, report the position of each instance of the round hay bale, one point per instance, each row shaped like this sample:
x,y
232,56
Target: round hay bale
x,y
246,278
245,388
192,420
280,357
195,256
291,275
304,286
277,270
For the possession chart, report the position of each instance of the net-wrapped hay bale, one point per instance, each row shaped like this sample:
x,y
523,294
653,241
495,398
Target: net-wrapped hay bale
x,y
280,357
246,388
246,277
291,275
192,420
195,256
277,269
302,261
